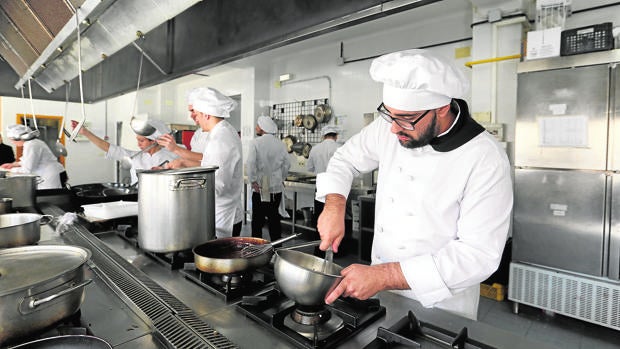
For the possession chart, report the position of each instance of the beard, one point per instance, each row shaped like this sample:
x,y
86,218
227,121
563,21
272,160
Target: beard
x,y
423,139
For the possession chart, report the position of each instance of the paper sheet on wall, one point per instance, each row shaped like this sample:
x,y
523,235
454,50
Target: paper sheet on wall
x,y
563,131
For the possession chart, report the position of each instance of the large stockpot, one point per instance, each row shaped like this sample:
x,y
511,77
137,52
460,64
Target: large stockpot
x,y
304,278
39,286
21,188
176,208
18,229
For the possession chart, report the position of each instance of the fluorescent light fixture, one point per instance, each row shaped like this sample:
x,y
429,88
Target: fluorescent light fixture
x,y
285,77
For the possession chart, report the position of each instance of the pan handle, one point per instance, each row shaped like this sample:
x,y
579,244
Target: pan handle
x,y
33,303
46,219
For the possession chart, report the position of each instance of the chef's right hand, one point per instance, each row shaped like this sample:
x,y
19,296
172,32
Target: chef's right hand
x,y
331,222
168,142
176,163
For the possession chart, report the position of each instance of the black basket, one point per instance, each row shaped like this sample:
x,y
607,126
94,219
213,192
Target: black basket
x,y
592,38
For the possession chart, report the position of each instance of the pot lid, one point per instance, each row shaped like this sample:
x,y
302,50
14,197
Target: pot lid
x,y
180,171
24,267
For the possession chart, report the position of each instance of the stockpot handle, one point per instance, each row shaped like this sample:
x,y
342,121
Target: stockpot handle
x,y
36,302
46,219
39,179
189,183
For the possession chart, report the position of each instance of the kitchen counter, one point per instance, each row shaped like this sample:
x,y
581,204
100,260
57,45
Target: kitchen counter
x,y
130,327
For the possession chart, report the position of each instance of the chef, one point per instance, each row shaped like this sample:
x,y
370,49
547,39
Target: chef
x,y
147,160
266,167
199,138
444,193
222,149
37,158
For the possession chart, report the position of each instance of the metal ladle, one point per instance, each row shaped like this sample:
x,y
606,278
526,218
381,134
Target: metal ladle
x,y
141,127
59,148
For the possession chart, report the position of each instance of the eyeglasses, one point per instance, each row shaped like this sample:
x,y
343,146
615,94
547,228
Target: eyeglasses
x,y
405,124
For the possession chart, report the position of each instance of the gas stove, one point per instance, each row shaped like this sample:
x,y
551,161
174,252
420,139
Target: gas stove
x,y
230,287
409,332
321,326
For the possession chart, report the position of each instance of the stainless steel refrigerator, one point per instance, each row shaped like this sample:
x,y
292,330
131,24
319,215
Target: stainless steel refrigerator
x,y
566,234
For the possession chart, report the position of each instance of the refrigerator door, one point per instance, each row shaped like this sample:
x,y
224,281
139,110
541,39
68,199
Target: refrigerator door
x,y
614,234
558,219
562,118
614,122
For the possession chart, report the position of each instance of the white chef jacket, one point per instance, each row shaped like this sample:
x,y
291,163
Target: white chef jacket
x,y
37,158
443,215
144,161
198,140
320,155
223,149
268,157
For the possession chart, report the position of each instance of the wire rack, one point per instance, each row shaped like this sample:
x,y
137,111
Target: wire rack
x,y
285,114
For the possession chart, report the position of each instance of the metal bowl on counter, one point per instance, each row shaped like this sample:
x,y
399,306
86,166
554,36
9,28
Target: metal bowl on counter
x,y
18,229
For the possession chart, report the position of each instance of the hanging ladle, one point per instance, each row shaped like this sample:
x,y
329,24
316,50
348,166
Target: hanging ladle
x,y
59,148
141,127
126,163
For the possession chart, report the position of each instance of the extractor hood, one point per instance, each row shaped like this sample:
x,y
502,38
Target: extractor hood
x,y
38,37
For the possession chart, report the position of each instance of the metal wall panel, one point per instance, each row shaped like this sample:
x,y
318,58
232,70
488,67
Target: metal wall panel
x,y
559,219
581,91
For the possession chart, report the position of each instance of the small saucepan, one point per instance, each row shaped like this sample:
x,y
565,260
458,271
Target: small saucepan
x,y
19,229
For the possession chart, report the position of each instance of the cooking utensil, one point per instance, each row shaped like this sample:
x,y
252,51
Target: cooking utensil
x,y
21,188
329,257
126,161
301,278
298,148
141,127
305,151
255,250
6,205
40,286
289,141
299,121
59,148
18,229
310,122
177,208
78,127
323,113
66,342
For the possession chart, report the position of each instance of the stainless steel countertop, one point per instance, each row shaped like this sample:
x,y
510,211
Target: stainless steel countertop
x,y
243,331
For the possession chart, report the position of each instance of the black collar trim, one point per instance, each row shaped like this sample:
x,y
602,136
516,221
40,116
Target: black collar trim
x,y
462,132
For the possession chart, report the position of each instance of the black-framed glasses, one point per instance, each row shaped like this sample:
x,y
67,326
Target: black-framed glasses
x,y
405,124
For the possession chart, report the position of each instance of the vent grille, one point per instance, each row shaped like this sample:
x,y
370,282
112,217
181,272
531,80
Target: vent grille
x,y
579,297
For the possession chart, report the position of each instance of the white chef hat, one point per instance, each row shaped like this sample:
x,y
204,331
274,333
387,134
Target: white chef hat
x,y
160,128
15,131
416,80
267,124
194,93
330,129
213,102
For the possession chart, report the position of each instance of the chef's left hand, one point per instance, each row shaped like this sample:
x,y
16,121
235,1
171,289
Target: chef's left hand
x,y
364,281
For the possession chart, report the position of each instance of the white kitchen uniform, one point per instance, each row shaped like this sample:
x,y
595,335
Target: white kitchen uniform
x,y
320,155
198,140
37,158
443,215
144,161
223,149
268,158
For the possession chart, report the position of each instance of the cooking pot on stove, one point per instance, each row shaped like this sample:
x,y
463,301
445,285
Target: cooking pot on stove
x,y
18,229
305,278
66,342
21,188
176,208
39,286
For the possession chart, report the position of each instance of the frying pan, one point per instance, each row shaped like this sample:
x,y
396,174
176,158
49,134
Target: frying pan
x,y
289,141
223,256
310,122
299,121
305,152
323,113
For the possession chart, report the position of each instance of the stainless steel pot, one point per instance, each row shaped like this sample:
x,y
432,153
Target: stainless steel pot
x,y
304,278
176,208
66,342
18,229
21,188
39,286
6,205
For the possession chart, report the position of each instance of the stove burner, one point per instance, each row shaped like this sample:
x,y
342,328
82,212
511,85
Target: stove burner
x,y
316,325
230,281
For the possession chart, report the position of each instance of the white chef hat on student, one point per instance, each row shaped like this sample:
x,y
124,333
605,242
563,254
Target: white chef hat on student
x,y
213,102
330,129
194,93
15,131
267,124
160,128
415,80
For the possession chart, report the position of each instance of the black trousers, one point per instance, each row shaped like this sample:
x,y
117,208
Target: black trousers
x,y
63,179
260,210
237,229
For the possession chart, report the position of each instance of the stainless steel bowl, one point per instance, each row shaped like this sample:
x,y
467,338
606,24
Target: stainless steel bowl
x,y
305,278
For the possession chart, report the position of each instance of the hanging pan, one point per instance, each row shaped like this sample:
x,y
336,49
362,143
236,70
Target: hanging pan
x,y
323,113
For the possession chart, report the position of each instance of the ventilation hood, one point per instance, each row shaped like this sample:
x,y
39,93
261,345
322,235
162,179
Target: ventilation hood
x,y
38,38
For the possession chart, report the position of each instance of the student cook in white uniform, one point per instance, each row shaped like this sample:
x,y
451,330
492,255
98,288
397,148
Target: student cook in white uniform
x,y
444,193
37,158
199,138
147,160
266,167
322,152
222,149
